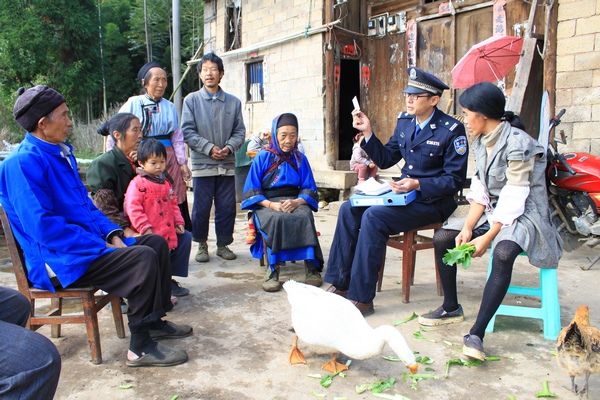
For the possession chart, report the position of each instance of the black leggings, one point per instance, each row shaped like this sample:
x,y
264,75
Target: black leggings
x,y
505,253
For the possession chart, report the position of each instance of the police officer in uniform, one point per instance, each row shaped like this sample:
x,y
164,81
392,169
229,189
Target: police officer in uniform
x,y
434,148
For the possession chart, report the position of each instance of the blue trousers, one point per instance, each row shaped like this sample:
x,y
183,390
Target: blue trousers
x,y
360,238
220,190
29,362
180,256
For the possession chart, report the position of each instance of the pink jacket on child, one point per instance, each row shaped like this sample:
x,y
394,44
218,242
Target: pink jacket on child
x,y
152,204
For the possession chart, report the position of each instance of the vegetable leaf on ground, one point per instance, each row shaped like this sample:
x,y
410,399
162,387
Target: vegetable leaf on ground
x,y
376,387
416,378
125,386
424,360
462,363
406,319
545,392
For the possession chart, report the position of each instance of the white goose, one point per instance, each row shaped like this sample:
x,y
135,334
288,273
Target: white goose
x,y
334,324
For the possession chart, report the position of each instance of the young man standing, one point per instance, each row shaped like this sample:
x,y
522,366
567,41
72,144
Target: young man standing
x,y
213,128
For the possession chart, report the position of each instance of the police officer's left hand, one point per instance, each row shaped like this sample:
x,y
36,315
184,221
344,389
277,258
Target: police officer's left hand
x,y
405,185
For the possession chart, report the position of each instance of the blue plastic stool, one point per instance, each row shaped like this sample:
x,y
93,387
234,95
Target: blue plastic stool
x,y
547,292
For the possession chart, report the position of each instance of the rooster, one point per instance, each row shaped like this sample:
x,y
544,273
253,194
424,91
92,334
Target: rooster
x,y
578,348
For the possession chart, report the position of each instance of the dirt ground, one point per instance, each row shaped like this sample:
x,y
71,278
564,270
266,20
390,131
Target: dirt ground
x,y
242,336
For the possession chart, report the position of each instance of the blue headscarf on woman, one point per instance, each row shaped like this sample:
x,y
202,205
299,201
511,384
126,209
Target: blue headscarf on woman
x,y
294,157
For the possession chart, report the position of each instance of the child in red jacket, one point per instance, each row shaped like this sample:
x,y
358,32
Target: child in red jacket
x,y
151,205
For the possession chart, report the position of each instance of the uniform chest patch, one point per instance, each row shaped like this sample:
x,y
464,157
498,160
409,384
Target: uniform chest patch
x,y
460,145
433,143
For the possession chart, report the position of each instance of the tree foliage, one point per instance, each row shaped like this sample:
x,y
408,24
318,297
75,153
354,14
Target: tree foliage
x,y
58,43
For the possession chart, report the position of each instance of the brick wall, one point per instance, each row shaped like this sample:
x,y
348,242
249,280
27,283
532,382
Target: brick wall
x,y
578,73
292,71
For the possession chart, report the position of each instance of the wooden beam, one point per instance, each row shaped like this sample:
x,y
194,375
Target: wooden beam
x,y
550,58
515,102
330,112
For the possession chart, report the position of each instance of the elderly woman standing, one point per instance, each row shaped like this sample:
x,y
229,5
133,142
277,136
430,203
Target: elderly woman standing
x,y
509,208
159,120
281,190
109,176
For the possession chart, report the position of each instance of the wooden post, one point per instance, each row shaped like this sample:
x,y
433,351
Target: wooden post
x,y
550,60
330,112
517,96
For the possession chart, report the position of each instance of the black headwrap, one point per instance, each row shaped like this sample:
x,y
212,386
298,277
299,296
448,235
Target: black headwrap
x,y
287,119
146,68
35,103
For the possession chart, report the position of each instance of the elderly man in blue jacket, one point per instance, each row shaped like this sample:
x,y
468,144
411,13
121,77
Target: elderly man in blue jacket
x,y
67,241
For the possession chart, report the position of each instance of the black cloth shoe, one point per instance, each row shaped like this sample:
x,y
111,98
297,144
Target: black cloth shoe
x,y
177,290
473,347
159,355
441,317
168,330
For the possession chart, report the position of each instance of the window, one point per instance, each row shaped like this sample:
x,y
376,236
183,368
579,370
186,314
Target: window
x,y
233,25
254,81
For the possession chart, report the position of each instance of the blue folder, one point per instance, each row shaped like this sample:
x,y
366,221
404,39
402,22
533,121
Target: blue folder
x,y
386,199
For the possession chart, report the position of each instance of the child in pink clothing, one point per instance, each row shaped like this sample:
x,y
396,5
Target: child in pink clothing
x,y
360,161
151,205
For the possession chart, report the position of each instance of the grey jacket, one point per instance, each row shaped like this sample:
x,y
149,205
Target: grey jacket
x,y
533,230
212,120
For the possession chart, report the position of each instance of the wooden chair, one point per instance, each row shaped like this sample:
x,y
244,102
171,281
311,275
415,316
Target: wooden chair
x,y
409,243
90,302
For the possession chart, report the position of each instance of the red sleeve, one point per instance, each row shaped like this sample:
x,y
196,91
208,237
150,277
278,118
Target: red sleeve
x,y
134,207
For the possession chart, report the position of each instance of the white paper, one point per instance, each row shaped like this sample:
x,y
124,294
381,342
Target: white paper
x,y
373,187
355,103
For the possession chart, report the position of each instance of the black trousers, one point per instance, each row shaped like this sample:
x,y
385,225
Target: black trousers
x,y
220,190
29,362
139,273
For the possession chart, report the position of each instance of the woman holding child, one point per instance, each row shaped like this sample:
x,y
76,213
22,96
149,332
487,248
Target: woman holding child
x,y
109,176
281,191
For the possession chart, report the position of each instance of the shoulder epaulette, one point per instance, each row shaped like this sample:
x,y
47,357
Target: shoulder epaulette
x,y
404,115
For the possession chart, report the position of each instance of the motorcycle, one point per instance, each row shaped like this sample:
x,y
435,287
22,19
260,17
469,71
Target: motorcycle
x,y
574,194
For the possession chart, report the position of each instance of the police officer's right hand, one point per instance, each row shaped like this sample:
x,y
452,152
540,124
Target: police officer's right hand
x,y
361,122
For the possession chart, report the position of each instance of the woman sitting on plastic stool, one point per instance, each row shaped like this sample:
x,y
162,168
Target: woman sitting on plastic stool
x,y
281,191
508,205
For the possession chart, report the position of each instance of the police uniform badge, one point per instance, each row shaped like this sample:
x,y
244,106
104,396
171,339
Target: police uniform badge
x,y
413,74
460,145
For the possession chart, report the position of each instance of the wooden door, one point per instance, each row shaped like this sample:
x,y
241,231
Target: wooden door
x,y
385,94
435,51
471,28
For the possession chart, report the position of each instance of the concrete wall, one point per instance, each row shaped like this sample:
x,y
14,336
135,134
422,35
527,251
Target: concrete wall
x,y
578,73
293,70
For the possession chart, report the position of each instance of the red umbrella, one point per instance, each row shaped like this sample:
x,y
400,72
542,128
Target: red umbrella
x,y
487,61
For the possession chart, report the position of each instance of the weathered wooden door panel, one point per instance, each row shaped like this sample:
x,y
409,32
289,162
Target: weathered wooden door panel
x,y
385,98
471,28
435,50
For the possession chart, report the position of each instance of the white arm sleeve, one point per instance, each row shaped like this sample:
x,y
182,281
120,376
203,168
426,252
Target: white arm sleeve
x,y
511,204
478,194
